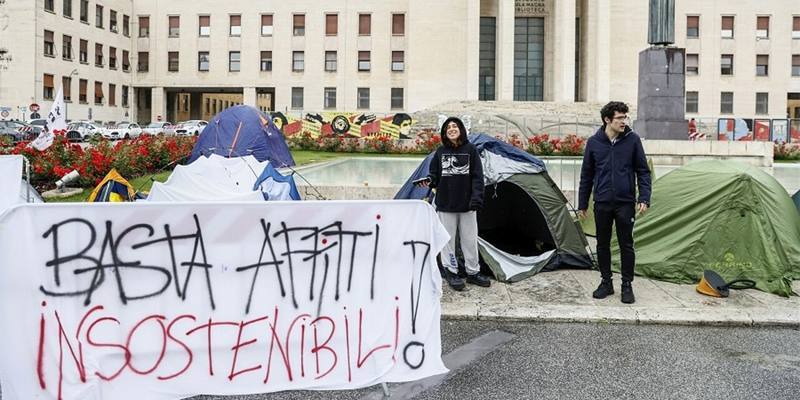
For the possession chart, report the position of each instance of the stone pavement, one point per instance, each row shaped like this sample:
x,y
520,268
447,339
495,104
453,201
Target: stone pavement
x,y
566,296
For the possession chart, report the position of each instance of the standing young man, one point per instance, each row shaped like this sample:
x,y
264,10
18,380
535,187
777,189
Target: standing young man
x,y
613,164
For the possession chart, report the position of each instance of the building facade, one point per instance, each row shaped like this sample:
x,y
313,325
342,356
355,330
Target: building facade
x,y
172,60
84,46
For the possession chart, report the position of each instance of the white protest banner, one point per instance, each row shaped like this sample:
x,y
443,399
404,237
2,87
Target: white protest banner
x,y
167,301
10,177
56,124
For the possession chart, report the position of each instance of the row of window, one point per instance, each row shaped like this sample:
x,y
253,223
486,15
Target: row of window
x,y
265,61
214,106
99,18
728,22
329,94
362,98
48,91
726,102
332,23
83,52
267,25
726,64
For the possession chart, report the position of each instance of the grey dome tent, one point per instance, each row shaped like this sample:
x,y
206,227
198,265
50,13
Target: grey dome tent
x,y
525,225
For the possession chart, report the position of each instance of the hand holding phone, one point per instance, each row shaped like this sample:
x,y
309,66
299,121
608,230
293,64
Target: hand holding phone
x,y
423,182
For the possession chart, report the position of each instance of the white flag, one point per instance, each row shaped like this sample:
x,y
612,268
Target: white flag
x,y
55,124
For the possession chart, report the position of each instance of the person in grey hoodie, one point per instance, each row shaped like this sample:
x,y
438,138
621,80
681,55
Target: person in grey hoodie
x,y
614,164
457,175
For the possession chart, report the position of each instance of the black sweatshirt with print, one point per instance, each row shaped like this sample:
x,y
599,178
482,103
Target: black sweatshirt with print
x,y
457,175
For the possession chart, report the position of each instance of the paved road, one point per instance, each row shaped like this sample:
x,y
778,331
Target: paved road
x,y
589,361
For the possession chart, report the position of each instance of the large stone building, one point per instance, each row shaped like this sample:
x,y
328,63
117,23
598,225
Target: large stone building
x,y
150,59
86,46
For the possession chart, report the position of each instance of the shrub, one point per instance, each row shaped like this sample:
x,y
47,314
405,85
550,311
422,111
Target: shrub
x,y
572,145
380,144
787,151
330,142
146,154
540,145
427,144
302,141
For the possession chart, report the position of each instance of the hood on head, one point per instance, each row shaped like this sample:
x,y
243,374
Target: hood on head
x,y
462,137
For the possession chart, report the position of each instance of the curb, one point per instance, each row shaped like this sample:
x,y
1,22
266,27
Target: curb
x,y
719,317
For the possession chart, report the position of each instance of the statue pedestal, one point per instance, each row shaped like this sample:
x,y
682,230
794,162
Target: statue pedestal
x,y
662,90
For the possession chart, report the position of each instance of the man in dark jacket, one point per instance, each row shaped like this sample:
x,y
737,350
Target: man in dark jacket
x,y
613,164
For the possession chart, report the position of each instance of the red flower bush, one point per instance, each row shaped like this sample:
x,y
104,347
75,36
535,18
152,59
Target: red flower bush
x,y
146,154
380,144
303,141
787,151
543,145
571,145
428,143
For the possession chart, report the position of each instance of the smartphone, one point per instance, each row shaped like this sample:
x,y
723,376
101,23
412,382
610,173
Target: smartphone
x,y
420,180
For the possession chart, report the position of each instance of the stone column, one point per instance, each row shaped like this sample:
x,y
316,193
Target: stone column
x,y
249,96
564,51
473,48
597,52
133,105
504,62
158,104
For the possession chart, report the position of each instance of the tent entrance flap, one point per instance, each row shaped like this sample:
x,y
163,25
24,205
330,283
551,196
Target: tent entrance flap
x,y
509,267
512,221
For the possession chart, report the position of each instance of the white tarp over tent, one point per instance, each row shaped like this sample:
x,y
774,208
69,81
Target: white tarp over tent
x,y
241,172
213,178
497,168
13,189
162,192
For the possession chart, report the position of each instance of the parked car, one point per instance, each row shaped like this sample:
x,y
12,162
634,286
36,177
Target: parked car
x,y
190,128
123,130
35,127
82,131
14,131
157,128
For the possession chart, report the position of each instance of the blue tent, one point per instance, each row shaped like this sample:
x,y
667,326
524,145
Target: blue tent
x,y
241,131
525,225
275,185
481,141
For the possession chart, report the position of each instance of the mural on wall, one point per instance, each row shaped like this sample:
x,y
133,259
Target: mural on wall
x,y
744,129
397,126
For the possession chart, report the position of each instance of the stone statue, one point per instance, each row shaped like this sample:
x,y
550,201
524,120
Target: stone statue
x,y
661,26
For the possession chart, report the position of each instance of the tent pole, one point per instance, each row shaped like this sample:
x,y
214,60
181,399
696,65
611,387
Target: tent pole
x,y
385,388
27,164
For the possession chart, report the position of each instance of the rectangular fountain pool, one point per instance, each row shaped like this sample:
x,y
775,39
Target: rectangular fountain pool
x,y
381,177
355,178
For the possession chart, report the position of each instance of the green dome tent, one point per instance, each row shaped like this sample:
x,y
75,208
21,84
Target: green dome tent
x,y
725,216
525,224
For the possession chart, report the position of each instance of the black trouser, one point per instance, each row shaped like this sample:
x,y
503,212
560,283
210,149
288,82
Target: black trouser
x,y
622,215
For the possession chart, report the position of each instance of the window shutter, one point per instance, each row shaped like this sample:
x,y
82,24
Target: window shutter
x,y
727,23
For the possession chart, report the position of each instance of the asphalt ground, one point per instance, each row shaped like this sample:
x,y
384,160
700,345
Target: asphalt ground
x,y
590,361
